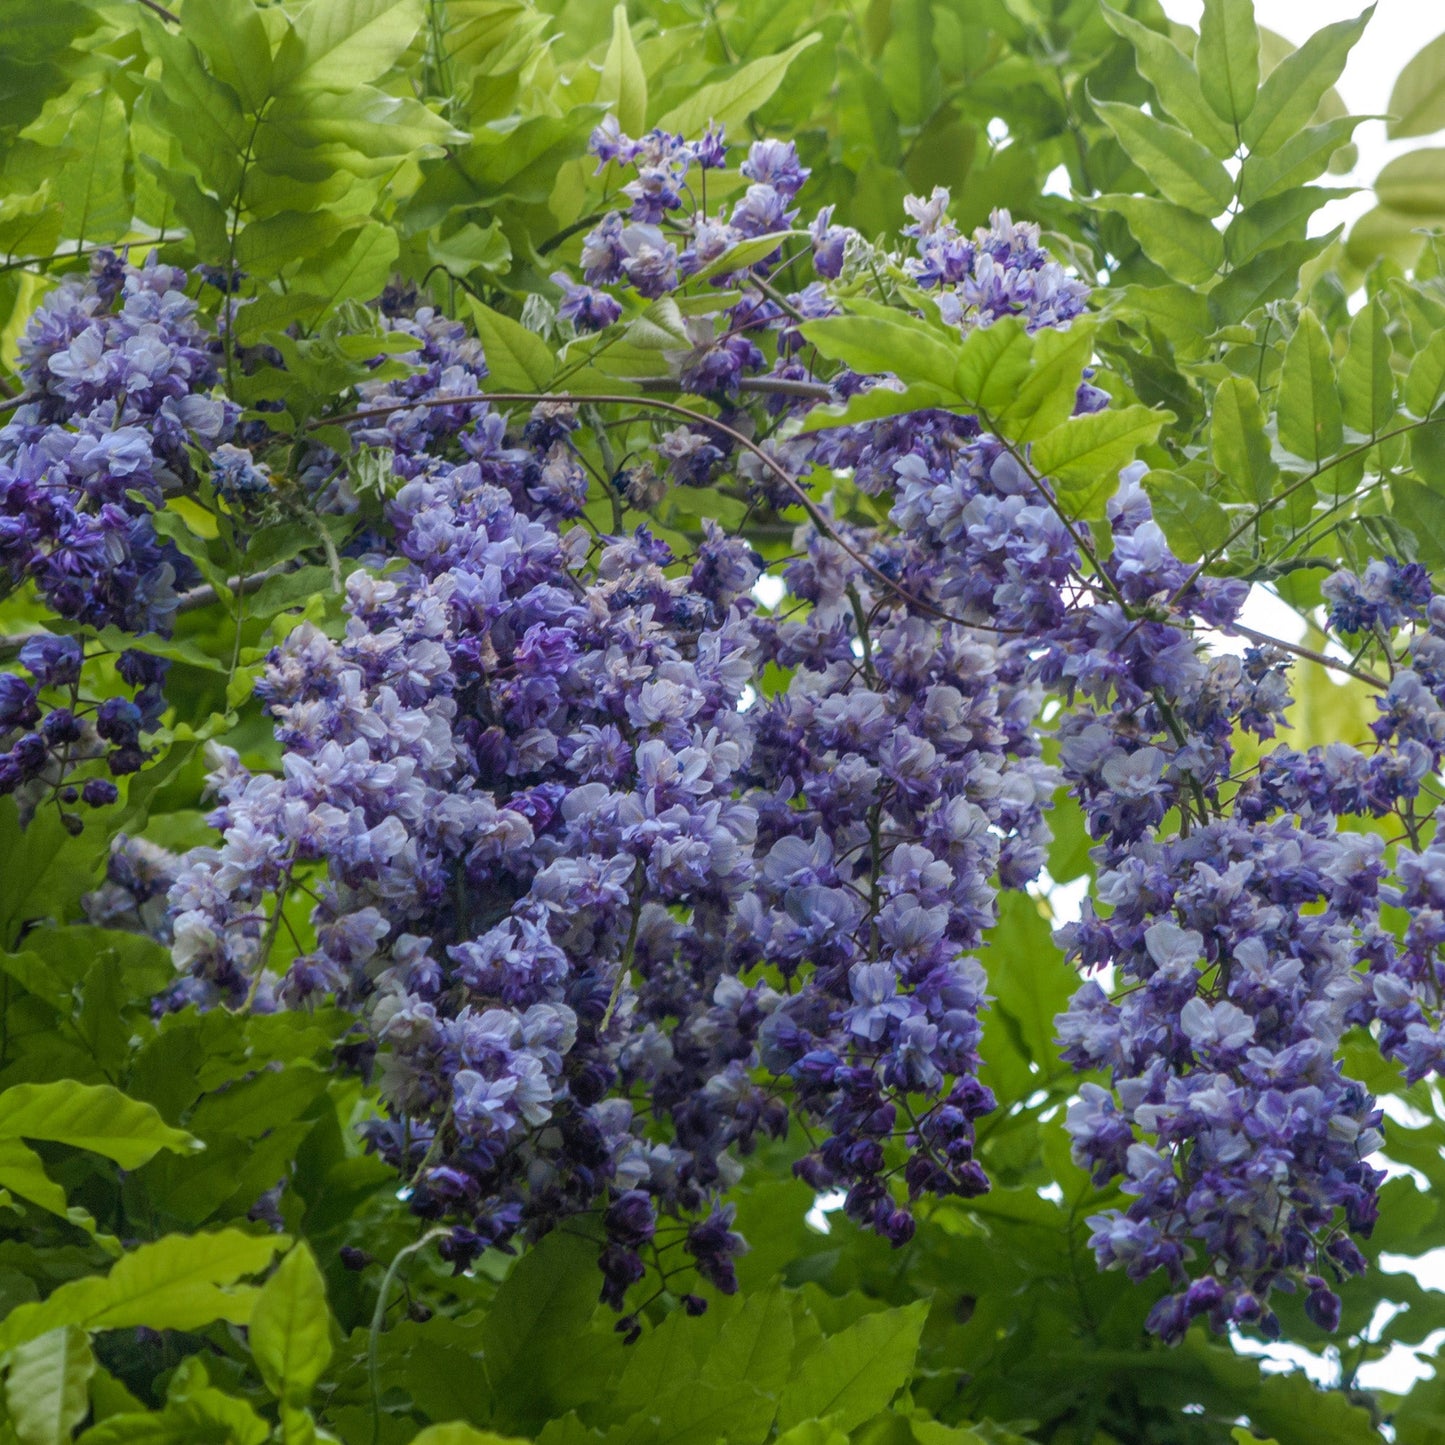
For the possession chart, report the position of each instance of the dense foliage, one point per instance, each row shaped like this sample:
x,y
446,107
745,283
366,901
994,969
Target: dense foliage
x,y
603,613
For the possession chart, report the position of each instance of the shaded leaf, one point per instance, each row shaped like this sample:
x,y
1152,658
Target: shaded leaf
x,y
730,102
1417,102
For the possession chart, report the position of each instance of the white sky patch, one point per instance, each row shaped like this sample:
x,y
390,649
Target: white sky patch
x,y
1057,183
769,590
824,1205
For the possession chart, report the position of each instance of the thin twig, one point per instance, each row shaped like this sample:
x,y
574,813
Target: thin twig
x,y
1263,639
158,9
815,513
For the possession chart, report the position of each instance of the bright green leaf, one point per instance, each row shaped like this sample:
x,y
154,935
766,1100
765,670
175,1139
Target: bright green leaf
x,y
730,102
1228,58
1183,170
1293,90
1193,522
993,363
46,1387
1046,396
901,344
1298,160
854,1374
1310,419
1367,381
290,1330
623,86
1186,245
232,37
1175,82
338,44
179,1282
96,1117
459,1433
1237,441
517,359
1425,381
1084,456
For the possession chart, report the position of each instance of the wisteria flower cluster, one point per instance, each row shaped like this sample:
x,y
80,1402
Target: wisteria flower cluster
x,y
616,903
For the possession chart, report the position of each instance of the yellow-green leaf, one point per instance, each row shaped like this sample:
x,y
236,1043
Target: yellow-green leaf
x,y
1186,245
46,1386
95,1117
1183,170
1084,456
1425,381
623,86
1367,382
1310,419
517,359
1227,58
290,1329
730,102
1237,441
337,44
1417,103
1294,88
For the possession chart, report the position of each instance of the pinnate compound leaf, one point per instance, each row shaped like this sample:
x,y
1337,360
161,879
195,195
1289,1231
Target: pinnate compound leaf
x,y
1175,80
1227,57
1417,103
290,1330
1183,170
730,102
46,1386
756,1345
993,363
854,1374
1047,394
1310,419
517,359
180,1282
623,86
95,1117
1293,90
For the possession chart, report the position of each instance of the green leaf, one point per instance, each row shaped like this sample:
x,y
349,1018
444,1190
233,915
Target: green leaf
x,y
854,1374
1183,170
46,1387
623,86
95,1117
1367,381
1175,81
471,248
1293,90
1310,419
1084,456
1280,219
180,1282
22,1172
730,102
1227,57
232,36
901,344
1299,159
1195,524
908,67
290,1330
756,1345
1425,381
1266,277
743,254
338,44
1237,441
204,115
881,401
91,184
1414,183
517,359
1046,396
1417,103
459,1433
1187,246
993,363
